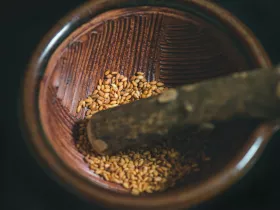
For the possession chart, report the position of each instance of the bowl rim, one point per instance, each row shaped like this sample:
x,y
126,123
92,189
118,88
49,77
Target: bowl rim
x,y
44,153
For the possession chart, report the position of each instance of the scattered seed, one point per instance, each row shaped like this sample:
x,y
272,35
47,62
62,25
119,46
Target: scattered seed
x,y
88,116
99,102
160,84
79,108
109,76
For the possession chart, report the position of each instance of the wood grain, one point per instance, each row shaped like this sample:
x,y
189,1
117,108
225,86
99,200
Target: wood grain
x,y
70,59
175,50
169,45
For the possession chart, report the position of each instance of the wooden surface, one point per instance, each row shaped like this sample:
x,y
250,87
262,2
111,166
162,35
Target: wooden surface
x,y
26,183
147,41
168,45
172,46
247,95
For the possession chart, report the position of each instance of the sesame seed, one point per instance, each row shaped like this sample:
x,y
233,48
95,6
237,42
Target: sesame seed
x,y
143,170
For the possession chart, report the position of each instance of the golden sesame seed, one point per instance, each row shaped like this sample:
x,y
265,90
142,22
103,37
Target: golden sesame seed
x,y
79,109
141,170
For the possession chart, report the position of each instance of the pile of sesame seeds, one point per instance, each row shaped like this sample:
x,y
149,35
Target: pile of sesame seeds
x,y
115,90
145,170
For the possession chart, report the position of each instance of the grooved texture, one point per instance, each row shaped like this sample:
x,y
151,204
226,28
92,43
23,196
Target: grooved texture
x,y
189,54
173,50
127,45
168,45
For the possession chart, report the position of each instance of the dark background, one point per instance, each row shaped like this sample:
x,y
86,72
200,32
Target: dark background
x,y
27,187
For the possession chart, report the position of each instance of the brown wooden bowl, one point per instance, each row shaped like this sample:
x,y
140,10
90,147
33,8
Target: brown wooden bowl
x,y
176,42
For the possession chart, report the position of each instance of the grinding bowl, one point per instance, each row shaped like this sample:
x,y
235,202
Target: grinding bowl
x,y
176,42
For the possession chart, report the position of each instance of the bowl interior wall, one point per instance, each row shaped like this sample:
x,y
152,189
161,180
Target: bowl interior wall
x,y
169,45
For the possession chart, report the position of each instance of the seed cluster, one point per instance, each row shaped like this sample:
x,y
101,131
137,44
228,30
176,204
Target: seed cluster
x,y
116,90
144,170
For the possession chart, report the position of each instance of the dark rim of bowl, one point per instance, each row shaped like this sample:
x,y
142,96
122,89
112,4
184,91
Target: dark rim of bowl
x,y
39,144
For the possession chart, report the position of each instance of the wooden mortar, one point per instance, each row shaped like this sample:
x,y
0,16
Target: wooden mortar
x,y
174,41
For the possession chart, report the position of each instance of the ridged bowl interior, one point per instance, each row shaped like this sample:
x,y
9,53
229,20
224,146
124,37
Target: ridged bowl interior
x,y
169,45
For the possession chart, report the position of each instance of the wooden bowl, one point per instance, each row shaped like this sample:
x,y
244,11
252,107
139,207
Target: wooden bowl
x,y
176,42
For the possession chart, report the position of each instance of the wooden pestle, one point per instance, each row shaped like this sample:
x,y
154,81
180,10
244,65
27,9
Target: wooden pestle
x,y
251,94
